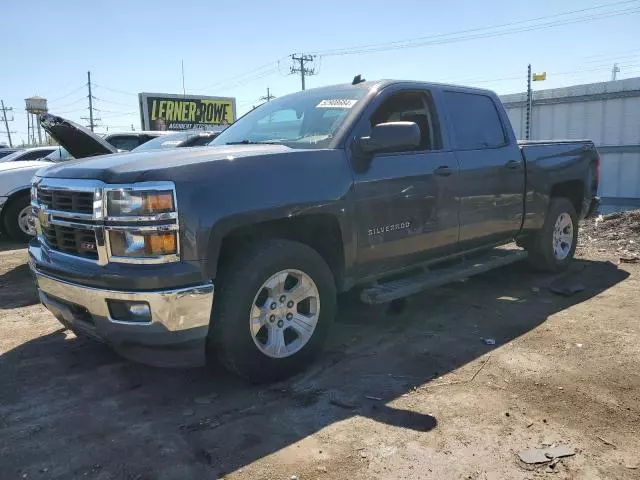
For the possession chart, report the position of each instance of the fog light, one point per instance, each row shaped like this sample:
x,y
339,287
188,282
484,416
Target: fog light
x,y
125,311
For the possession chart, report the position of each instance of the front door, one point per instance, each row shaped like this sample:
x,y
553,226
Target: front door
x,y
406,210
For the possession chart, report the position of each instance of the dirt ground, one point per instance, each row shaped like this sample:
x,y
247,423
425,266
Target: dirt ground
x,y
413,395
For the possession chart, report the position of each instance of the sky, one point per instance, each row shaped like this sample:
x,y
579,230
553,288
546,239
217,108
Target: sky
x,y
240,48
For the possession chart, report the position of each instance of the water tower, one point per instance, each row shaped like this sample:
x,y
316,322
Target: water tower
x,y
35,107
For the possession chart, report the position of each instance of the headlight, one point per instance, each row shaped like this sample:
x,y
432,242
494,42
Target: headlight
x,y
143,244
156,240
123,203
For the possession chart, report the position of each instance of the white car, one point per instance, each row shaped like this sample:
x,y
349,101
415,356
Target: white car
x,y
15,197
34,153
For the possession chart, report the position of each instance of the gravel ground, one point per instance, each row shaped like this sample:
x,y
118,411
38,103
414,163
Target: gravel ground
x,y
419,394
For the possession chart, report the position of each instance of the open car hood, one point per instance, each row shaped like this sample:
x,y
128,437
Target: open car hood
x,y
79,141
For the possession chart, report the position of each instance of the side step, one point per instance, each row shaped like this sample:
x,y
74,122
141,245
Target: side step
x,y
385,292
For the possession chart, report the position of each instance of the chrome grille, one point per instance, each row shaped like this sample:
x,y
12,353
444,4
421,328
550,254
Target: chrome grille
x,y
66,201
74,241
71,218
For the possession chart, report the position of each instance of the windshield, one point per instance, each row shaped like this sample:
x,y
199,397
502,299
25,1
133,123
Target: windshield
x,y
164,141
301,120
58,155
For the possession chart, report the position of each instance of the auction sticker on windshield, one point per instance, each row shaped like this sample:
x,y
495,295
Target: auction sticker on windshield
x,y
337,103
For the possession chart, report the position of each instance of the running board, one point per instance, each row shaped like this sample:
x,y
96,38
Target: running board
x,y
392,290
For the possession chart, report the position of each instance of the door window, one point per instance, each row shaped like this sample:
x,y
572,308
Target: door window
x,y
475,120
411,107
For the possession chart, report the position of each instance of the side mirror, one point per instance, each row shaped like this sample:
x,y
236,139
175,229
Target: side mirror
x,y
391,136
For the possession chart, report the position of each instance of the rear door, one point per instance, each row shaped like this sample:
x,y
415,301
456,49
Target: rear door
x,y
491,181
406,210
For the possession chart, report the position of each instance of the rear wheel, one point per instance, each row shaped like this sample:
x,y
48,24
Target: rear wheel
x,y
273,307
553,247
17,219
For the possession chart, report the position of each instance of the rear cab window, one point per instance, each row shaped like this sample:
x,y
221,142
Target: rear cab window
x,y
475,121
124,142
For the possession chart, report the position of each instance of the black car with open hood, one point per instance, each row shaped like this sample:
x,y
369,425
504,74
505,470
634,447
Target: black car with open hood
x,y
79,141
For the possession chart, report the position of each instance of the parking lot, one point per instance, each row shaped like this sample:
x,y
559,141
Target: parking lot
x,y
421,393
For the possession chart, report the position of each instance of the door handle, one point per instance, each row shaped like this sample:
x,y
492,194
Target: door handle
x,y
512,164
443,171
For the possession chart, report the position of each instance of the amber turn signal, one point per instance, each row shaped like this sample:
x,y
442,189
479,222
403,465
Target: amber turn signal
x,y
160,243
159,202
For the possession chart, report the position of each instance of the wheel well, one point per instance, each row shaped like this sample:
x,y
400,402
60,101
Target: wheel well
x,y
12,198
318,231
573,190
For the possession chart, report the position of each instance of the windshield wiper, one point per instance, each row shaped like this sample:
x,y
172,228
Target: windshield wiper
x,y
251,142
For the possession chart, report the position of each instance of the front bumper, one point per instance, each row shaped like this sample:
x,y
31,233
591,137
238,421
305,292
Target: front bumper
x,y
175,336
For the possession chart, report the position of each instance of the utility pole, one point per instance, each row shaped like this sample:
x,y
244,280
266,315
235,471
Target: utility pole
x,y
268,97
527,131
91,97
302,59
614,72
6,122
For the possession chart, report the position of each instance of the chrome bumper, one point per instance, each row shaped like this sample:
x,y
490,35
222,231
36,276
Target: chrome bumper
x,y
179,318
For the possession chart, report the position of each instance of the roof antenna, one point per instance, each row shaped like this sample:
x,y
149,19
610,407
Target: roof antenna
x,y
357,79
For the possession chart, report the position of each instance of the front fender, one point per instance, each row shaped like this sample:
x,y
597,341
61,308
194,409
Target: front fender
x,y
254,190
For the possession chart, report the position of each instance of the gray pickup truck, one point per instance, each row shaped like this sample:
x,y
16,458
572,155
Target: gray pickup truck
x,y
389,186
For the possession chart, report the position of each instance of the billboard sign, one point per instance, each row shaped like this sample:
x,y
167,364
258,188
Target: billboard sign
x,y
165,111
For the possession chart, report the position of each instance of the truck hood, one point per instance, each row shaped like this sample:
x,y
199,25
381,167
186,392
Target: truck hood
x,y
7,166
157,164
79,141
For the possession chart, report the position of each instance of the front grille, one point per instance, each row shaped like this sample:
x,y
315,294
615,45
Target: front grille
x,y
66,201
74,241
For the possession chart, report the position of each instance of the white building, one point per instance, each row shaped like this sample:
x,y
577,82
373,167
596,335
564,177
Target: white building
x,y
607,113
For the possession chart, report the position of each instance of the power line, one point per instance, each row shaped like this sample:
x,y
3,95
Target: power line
x,y
72,111
482,32
112,102
240,83
82,99
244,74
549,74
113,90
76,90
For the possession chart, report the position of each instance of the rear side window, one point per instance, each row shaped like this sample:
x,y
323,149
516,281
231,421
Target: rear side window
x,y
35,154
475,120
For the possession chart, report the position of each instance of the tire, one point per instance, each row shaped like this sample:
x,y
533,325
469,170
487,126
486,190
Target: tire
x,y
549,250
241,293
13,216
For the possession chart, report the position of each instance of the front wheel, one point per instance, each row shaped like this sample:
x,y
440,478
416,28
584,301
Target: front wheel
x,y
273,308
553,247
17,219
